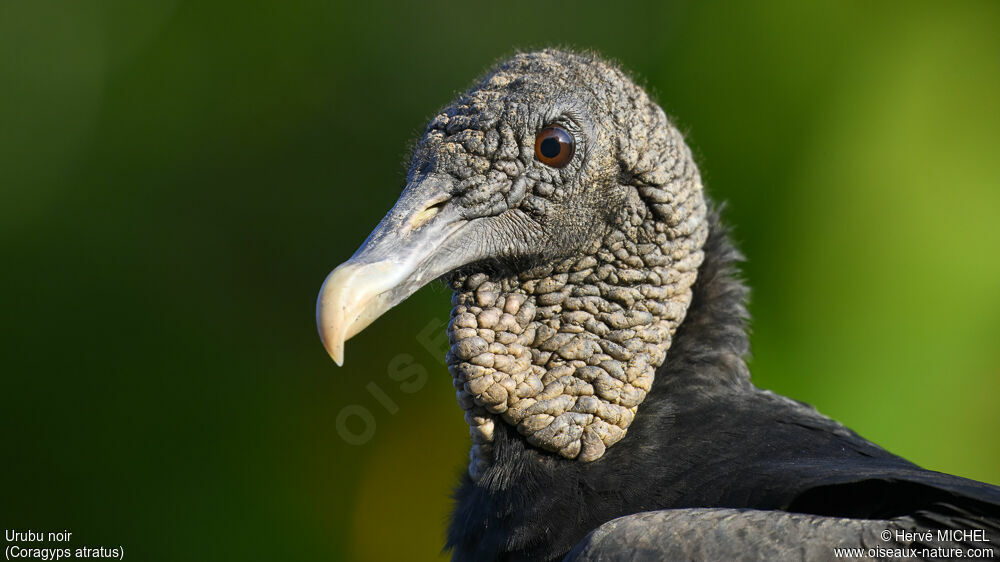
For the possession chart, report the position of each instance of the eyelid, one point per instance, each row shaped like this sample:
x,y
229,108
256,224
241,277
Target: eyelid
x,y
566,122
568,115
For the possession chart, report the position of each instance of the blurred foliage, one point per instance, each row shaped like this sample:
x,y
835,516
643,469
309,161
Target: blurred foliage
x,y
178,177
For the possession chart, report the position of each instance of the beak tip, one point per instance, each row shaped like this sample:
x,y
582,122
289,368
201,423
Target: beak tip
x,y
334,347
333,341
335,297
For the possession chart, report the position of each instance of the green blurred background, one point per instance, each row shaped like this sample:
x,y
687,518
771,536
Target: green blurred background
x,y
178,177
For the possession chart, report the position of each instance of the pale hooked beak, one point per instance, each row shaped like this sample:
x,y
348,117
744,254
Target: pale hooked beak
x,y
352,297
418,241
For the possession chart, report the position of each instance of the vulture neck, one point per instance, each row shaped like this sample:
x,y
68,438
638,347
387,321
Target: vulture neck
x,y
567,352
532,499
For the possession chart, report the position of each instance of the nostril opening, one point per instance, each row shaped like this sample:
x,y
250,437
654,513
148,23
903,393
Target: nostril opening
x,y
427,214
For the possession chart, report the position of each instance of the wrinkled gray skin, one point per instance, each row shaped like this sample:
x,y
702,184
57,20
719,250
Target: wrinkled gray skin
x,y
590,266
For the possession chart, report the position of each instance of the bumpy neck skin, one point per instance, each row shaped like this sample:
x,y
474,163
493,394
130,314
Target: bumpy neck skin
x,y
566,352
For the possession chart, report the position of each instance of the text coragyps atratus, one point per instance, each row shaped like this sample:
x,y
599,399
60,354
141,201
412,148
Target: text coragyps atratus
x,y
598,341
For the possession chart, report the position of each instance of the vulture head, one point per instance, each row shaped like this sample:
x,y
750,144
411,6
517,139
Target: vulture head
x,y
567,214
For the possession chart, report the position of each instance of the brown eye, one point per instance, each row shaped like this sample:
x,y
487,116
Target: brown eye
x,y
554,147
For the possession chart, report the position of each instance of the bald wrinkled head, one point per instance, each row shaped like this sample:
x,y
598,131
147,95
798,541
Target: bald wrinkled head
x,y
484,144
567,214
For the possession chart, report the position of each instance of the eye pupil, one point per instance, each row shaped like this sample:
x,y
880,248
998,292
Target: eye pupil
x,y
550,147
554,147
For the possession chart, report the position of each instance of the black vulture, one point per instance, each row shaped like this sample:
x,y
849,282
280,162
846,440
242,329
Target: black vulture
x,y
598,343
